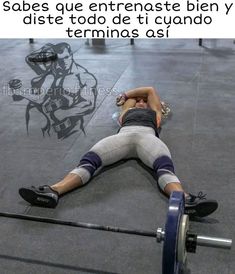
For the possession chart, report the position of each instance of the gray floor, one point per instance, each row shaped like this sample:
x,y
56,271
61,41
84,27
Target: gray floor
x,y
198,83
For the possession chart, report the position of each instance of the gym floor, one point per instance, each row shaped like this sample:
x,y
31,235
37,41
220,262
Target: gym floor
x,y
198,84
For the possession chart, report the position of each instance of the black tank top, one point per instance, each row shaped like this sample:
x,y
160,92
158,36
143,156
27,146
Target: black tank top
x,y
140,117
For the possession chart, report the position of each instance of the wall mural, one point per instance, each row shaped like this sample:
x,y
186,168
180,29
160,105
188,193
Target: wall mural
x,y
67,91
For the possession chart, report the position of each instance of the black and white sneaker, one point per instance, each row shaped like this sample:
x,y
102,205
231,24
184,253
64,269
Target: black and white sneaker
x,y
43,196
199,206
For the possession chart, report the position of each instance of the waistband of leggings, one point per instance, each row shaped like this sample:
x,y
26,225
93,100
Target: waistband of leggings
x,y
137,129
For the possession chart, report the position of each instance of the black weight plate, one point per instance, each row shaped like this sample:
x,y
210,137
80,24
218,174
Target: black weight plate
x,y
42,56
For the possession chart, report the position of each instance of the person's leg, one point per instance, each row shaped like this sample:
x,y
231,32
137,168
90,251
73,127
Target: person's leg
x,y
155,154
106,152
68,183
170,187
48,196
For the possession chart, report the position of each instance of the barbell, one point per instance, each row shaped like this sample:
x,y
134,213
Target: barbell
x,y
178,240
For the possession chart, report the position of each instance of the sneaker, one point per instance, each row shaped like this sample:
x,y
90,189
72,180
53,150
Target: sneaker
x,y
43,196
199,206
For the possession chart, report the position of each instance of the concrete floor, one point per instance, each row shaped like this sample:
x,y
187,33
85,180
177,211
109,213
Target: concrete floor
x,y
197,82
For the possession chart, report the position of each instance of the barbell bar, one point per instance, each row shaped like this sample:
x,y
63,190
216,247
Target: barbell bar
x,y
178,240
78,224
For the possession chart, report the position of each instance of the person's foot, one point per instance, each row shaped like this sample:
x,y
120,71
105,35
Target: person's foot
x,y
199,206
43,196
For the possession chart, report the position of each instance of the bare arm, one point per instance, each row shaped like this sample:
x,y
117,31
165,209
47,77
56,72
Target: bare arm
x,y
152,96
130,103
147,92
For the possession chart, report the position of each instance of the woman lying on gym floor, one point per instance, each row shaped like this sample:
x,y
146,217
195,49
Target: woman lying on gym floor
x,y
138,137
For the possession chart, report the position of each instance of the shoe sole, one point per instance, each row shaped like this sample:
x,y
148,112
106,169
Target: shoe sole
x,y
34,198
203,209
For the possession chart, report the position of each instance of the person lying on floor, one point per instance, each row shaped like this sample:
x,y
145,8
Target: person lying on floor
x,y
138,137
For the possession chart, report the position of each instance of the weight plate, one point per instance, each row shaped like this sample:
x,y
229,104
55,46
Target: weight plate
x,y
15,83
42,56
181,246
170,264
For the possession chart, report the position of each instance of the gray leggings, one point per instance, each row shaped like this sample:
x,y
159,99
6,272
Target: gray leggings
x,y
132,141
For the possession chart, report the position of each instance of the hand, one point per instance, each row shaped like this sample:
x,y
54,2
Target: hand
x,y
121,99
